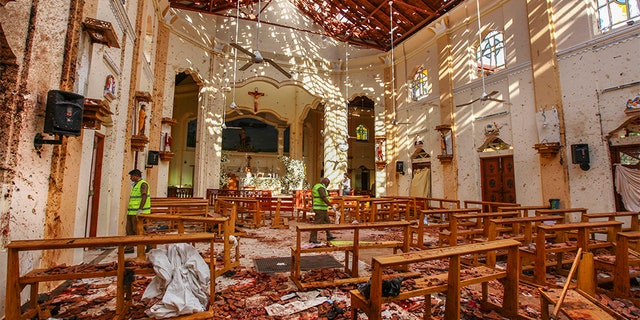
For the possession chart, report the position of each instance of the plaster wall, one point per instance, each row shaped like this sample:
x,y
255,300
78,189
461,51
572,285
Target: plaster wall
x,y
40,71
592,111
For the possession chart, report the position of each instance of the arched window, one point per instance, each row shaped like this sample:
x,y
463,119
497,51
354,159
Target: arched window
x,y
616,13
490,53
420,86
362,133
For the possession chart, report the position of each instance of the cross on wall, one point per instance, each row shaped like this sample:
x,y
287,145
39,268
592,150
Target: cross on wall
x,y
256,95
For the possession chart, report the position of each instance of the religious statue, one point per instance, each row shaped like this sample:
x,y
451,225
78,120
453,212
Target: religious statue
x,y
256,95
167,142
110,85
142,119
379,152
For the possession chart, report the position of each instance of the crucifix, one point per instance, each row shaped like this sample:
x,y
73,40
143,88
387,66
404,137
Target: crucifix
x,y
256,95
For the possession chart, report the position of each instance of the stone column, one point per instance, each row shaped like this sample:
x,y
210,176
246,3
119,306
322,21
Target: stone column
x,y
554,173
447,117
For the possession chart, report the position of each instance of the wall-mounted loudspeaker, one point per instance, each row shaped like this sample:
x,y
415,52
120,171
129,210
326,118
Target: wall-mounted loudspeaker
x,y
63,115
400,167
580,155
152,158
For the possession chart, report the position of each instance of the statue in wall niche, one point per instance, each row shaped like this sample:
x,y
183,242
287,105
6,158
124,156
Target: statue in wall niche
x,y
109,90
167,142
142,119
379,151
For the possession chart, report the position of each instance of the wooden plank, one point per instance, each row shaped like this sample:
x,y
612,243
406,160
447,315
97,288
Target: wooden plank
x,y
439,253
67,243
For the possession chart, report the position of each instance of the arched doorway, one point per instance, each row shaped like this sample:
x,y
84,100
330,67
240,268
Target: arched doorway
x,y
183,136
361,144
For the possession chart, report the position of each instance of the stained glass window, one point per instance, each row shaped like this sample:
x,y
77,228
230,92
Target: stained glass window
x,y
362,133
420,86
616,13
490,53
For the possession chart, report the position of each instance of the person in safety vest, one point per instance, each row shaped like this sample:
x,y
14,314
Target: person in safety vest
x,y
321,203
139,203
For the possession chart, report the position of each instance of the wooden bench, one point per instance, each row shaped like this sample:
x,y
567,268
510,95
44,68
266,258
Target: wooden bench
x,y
184,206
570,214
348,208
351,263
488,206
248,211
390,210
620,265
470,225
561,245
457,276
525,211
631,216
577,305
224,232
17,282
436,220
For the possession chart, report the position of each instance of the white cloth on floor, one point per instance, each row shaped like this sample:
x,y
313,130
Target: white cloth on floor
x,y
182,281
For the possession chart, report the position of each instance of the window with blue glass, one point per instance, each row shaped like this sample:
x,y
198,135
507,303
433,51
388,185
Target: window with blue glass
x,y
617,13
420,86
362,133
490,53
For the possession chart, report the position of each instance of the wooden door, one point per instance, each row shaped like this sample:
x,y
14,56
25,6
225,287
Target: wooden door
x,y
498,179
93,202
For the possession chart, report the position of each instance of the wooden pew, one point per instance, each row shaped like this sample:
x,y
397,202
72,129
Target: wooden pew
x,y
17,282
470,225
561,246
436,220
624,258
248,211
228,209
351,263
522,229
488,206
390,210
615,216
418,203
525,211
449,282
348,207
184,206
570,214
224,231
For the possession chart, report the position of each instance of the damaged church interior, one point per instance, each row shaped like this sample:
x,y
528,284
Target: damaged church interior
x,y
299,159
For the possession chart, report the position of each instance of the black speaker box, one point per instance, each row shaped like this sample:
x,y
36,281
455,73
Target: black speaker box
x,y
152,158
64,113
580,153
400,167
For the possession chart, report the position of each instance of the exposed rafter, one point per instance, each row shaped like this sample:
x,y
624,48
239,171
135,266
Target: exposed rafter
x,y
359,22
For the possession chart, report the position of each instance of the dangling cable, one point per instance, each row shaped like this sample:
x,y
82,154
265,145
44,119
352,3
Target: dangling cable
x,y
258,29
235,52
393,74
346,82
484,91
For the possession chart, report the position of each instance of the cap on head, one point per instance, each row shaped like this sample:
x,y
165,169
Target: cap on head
x,y
135,172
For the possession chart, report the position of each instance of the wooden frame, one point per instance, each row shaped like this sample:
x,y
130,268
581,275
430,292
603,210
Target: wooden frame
x,y
354,249
373,306
16,283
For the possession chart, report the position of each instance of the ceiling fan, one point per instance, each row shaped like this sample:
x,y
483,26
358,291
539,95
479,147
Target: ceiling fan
x,y
256,56
485,96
